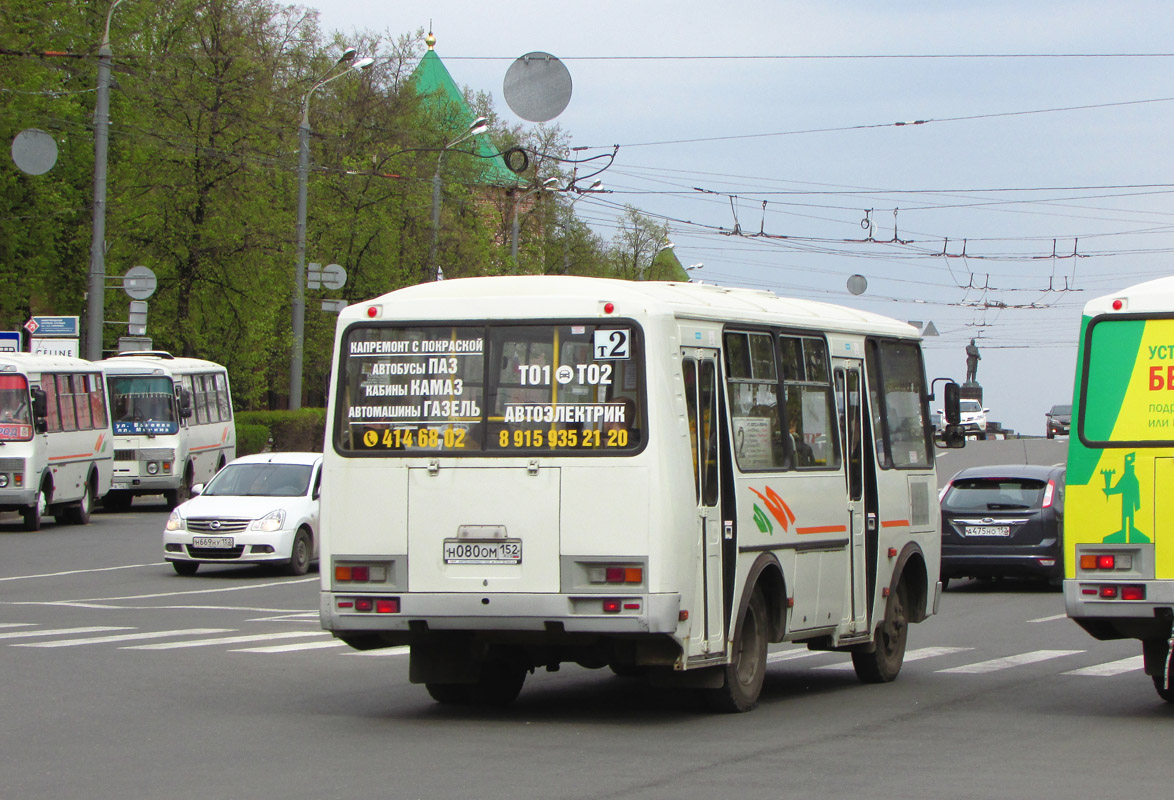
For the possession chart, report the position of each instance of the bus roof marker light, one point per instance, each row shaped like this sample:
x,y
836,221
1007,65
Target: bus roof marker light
x,y
609,307
1118,304
374,311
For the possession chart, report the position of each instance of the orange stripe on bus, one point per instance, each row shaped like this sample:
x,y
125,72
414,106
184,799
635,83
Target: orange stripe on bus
x,y
823,529
895,523
75,455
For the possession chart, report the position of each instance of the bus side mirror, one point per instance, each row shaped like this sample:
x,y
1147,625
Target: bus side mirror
x,y
185,403
40,409
952,404
951,437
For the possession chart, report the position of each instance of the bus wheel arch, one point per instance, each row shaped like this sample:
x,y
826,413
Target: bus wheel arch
x,y
766,574
911,571
183,492
79,513
33,515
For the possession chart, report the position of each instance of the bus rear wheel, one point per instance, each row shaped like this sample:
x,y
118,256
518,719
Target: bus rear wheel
x,y
79,513
181,493
745,673
884,663
499,684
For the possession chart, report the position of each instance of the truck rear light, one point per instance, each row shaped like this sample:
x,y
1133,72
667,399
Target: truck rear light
x,y
1133,593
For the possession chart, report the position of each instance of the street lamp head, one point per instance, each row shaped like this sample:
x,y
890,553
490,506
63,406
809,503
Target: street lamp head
x,y
347,56
596,186
478,126
363,64
551,183
666,246
698,265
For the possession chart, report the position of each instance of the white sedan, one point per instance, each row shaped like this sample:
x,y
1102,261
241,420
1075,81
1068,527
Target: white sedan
x,y
261,508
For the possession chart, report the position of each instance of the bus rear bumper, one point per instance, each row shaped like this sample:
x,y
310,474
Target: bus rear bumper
x,y
1112,617
552,613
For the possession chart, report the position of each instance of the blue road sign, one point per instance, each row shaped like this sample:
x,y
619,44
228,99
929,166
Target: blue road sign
x,y
9,341
56,326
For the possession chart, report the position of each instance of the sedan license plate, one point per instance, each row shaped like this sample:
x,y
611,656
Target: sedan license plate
x,y
212,542
484,551
988,530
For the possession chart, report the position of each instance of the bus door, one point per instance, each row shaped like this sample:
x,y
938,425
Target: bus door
x,y
701,401
850,400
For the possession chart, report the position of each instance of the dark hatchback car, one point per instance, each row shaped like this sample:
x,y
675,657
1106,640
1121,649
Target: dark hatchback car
x,y
1059,421
1004,521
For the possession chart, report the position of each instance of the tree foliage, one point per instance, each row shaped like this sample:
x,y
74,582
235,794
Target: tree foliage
x,y
206,101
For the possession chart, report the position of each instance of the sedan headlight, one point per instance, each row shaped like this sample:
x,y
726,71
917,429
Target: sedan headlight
x,y
175,522
273,521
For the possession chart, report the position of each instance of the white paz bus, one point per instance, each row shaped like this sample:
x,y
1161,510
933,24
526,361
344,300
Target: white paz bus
x,y
662,478
173,425
56,446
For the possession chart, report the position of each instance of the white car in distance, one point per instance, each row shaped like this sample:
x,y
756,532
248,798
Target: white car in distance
x,y
259,509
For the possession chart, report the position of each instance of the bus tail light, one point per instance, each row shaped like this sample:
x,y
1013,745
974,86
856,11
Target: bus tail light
x,y
616,574
611,606
1108,592
1133,593
360,573
1091,562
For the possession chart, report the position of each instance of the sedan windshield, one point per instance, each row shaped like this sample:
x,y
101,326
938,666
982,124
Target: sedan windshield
x,y
994,494
260,480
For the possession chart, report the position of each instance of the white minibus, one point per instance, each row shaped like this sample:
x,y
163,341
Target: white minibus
x,y
56,446
172,421
659,478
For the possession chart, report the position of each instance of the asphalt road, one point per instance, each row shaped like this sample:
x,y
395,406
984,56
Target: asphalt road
x,y
124,680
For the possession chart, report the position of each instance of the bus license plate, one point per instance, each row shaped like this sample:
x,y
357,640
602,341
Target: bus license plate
x,y
485,551
212,542
988,530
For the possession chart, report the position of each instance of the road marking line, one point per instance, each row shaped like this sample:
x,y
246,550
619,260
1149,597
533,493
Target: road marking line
x,y
255,637
402,650
996,664
171,594
289,648
61,631
126,637
82,571
790,655
1052,618
16,624
1111,668
912,655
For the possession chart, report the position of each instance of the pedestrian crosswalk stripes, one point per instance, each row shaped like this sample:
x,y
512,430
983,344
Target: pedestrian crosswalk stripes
x,y
1111,668
59,631
308,640
251,637
996,664
124,637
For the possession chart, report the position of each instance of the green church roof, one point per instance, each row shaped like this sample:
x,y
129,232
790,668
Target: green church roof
x,y
441,93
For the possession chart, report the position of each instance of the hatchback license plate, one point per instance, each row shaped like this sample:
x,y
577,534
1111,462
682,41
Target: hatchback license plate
x,y
212,542
486,551
988,530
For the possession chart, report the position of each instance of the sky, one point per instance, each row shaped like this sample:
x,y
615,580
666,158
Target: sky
x,y
987,167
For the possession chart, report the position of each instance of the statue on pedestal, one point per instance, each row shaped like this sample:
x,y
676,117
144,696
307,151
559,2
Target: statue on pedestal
x,y
972,359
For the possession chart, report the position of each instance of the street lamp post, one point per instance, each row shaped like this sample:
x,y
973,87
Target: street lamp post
x,y
96,299
299,298
476,128
548,184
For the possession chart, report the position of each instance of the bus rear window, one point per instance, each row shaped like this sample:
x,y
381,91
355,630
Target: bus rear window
x,y
566,389
1127,395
